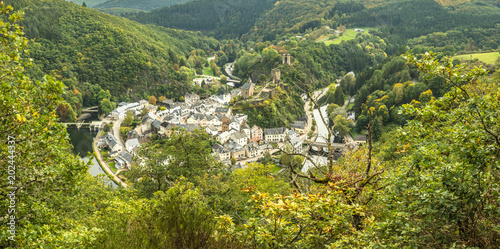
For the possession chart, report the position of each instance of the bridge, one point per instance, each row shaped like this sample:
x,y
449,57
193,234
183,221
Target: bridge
x,y
321,149
93,126
91,109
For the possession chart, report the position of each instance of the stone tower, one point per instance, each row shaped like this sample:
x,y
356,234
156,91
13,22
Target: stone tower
x,y
287,59
276,75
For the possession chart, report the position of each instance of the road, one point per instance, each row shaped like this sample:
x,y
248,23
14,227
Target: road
x,y
103,163
116,131
316,95
229,71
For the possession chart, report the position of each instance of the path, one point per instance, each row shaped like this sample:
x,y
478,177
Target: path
x,y
116,131
103,163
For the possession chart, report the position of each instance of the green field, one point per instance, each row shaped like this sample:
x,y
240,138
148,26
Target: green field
x,y
349,34
488,58
208,71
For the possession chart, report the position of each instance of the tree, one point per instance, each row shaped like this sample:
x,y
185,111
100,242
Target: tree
x,y
233,161
42,178
339,96
106,106
129,118
152,100
184,154
342,125
446,189
223,79
84,4
162,98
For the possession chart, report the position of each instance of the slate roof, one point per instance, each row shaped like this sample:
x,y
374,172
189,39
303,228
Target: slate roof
x,y
134,142
233,146
299,124
238,135
192,127
252,146
127,157
274,131
217,148
361,138
221,110
156,124
247,86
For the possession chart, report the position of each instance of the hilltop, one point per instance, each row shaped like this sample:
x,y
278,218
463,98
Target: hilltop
x,y
132,5
82,46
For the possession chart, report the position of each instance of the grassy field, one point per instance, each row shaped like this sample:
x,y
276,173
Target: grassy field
x,y
276,169
208,71
488,58
349,34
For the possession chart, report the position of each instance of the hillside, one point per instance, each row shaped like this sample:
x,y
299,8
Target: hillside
x,y
89,3
222,18
404,19
80,45
146,5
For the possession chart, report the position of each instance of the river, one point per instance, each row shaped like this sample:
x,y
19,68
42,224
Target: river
x,y
82,144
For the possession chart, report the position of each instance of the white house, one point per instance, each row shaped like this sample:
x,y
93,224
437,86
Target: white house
x,y
240,137
131,144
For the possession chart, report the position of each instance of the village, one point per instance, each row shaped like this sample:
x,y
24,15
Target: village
x,y
238,143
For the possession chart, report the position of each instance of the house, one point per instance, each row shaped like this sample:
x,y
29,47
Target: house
x,y
237,151
290,134
299,126
156,125
274,134
131,144
247,89
235,124
212,130
246,128
263,148
252,150
132,134
224,111
295,144
191,98
123,160
221,153
256,134
143,103
109,142
240,137
213,120
360,140
223,137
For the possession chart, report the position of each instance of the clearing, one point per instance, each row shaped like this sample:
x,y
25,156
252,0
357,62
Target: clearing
x,y
349,34
488,58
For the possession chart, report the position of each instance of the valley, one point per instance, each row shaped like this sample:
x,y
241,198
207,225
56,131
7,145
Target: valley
x,y
250,124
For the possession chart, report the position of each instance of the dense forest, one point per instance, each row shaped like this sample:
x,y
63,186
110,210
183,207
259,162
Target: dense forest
x,y
221,18
428,177
146,5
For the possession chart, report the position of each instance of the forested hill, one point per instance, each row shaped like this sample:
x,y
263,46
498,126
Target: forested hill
x,y
146,5
402,18
84,48
223,18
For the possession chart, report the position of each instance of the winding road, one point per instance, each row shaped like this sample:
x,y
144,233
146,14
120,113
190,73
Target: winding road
x,y
104,164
